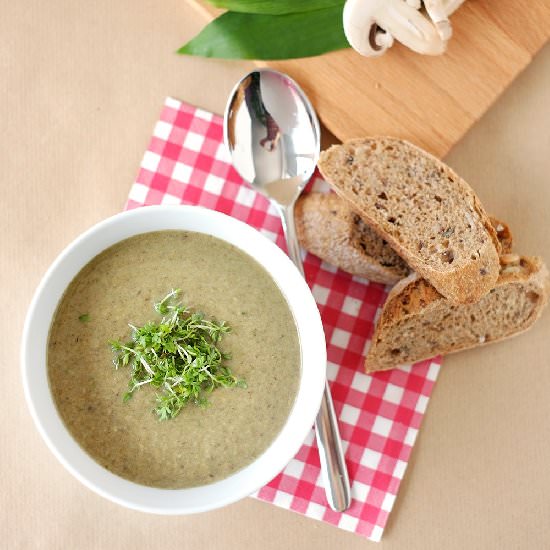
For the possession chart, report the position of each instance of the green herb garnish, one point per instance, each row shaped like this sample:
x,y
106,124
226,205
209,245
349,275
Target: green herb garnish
x,y
84,318
179,355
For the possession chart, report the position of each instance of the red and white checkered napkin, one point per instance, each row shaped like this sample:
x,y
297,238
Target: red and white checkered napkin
x,y
379,414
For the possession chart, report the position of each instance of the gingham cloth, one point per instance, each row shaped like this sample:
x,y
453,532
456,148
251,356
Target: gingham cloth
x,y
380,414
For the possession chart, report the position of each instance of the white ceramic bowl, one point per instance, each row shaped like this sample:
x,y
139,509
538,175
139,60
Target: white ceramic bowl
x,y
56,435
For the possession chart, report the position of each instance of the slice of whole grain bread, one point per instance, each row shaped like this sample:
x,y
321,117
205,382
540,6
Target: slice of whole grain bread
x,y
417,322
330,230
327,228
430,216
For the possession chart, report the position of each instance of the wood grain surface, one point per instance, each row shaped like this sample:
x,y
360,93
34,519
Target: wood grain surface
x,y
431,101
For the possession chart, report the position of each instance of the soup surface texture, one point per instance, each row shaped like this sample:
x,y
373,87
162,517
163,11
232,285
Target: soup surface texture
x,y
202,444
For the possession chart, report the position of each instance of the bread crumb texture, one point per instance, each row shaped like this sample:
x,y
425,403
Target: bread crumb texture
x,y
327,228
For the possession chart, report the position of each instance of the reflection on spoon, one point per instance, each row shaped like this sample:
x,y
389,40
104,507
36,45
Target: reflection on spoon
x,y
254,102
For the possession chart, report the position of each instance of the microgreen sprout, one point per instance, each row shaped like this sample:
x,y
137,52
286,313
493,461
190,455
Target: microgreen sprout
x,y
179,356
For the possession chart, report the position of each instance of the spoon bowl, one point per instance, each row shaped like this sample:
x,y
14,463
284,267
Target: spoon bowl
x,y
273,135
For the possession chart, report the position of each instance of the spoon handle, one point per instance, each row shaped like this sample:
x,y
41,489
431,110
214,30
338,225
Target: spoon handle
x,y
333,464
289,228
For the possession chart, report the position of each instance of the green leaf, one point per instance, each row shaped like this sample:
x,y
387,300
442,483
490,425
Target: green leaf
x,y
84,318
251,36
275,7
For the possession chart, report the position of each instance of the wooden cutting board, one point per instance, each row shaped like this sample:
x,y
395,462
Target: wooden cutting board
x,y
432,101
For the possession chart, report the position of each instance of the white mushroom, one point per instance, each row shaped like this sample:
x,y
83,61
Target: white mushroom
x,y
361,26
436,10
372,25
439,11
451,5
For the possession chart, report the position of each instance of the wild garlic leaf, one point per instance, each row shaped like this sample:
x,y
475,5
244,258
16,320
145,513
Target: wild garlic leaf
x,y
275,7
178,355
260,36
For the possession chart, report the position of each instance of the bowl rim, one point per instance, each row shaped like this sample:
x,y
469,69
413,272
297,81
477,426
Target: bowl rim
x,y
308,323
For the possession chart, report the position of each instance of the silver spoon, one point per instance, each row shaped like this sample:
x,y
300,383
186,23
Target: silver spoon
x,y
272,133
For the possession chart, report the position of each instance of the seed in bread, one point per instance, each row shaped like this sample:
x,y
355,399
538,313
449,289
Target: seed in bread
x,y
504,235
430,216
327,228
417,322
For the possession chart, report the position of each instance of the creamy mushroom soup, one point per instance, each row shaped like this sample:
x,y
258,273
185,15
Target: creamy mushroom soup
x,y
201,444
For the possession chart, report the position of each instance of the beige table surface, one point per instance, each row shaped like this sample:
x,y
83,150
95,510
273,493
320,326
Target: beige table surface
x,y
81,85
